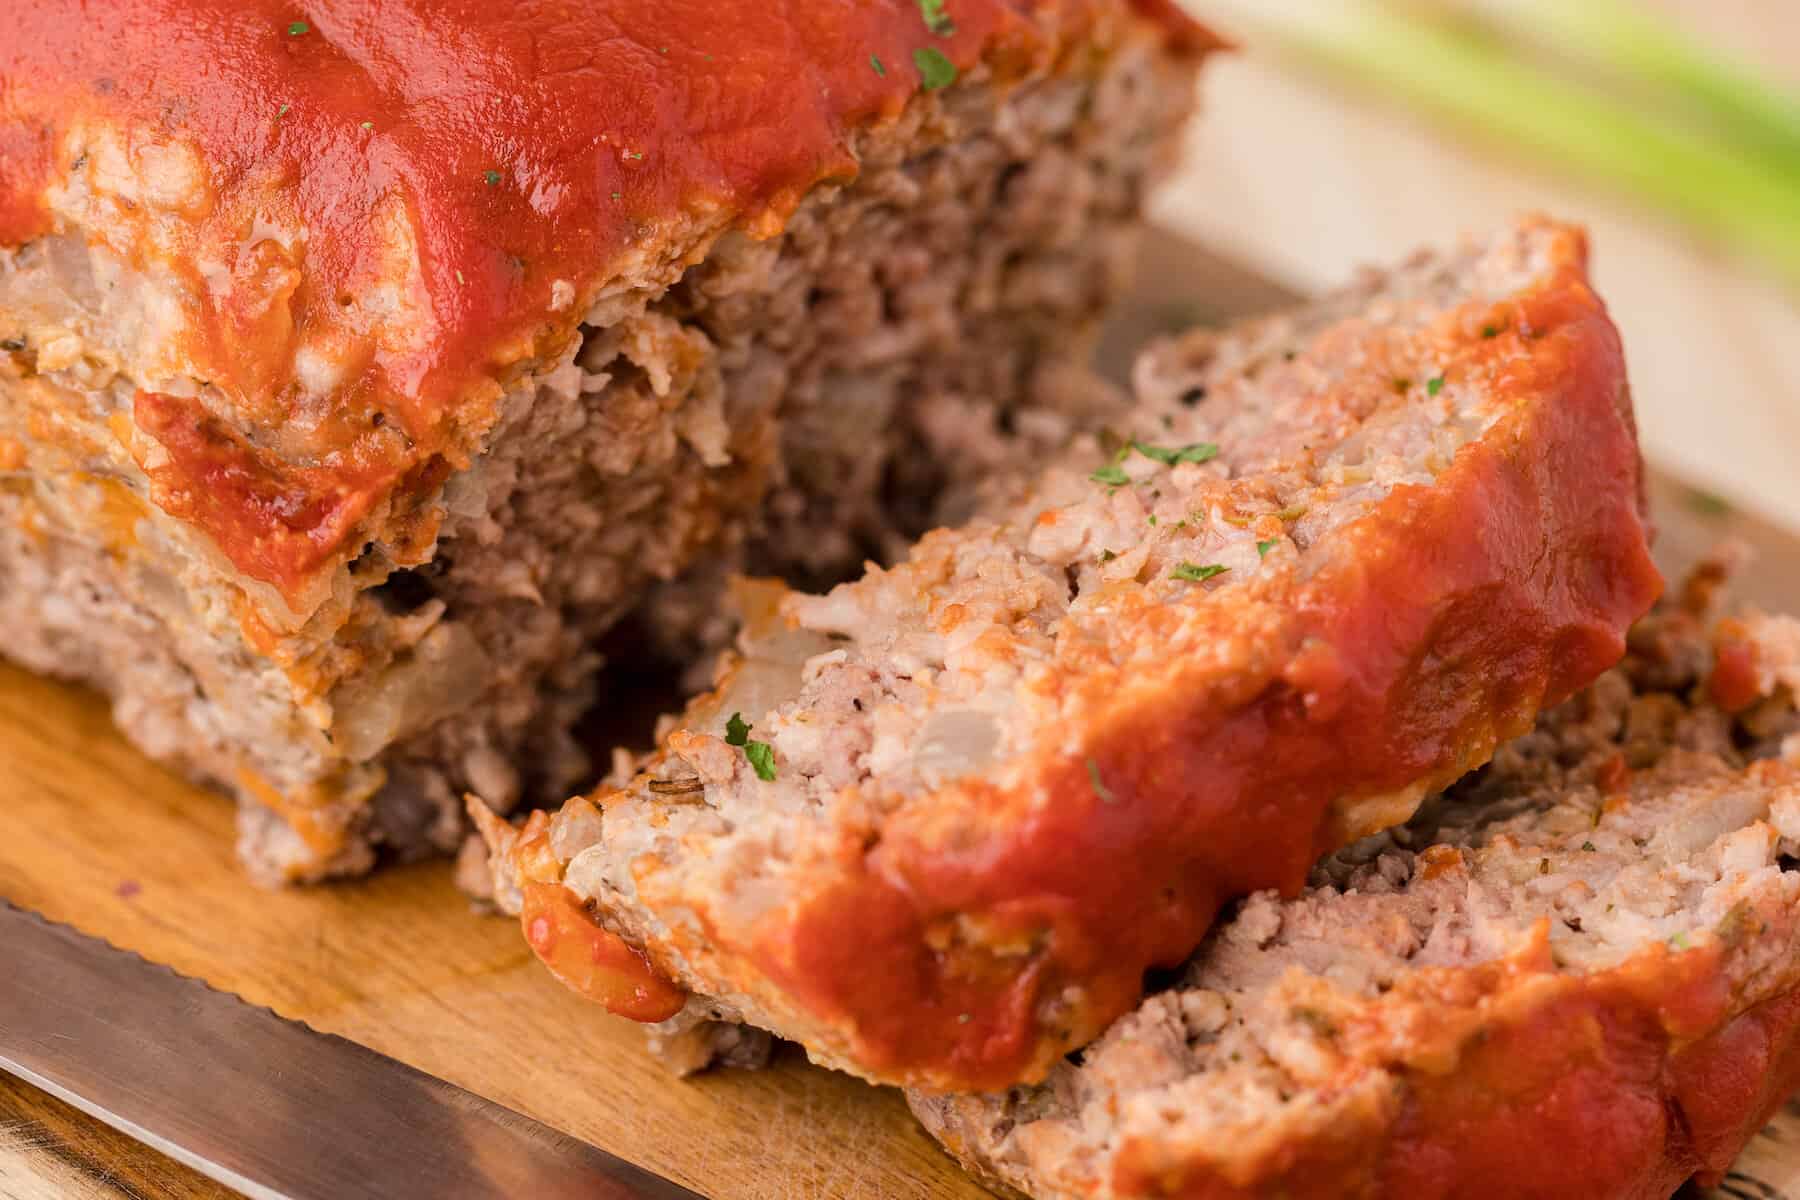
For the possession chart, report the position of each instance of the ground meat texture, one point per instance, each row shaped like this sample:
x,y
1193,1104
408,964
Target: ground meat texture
x,y
1575,973
1327,563
738,392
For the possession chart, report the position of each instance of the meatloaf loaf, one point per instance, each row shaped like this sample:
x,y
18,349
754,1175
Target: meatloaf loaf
x,y
936,824
1577,974
362,361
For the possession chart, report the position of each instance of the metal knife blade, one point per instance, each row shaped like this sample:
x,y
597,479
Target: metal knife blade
x,y
262,1104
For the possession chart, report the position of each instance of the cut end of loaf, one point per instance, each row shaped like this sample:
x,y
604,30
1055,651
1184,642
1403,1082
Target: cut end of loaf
x,y
1578,946
1337,558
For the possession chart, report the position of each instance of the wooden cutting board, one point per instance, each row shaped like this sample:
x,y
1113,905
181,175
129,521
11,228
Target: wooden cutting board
x,y
99,837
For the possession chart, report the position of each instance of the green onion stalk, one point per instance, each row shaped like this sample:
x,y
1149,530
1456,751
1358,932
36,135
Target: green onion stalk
x,y
1739,189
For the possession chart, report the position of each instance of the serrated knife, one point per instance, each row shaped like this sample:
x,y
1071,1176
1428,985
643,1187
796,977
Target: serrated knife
x,y
264,1105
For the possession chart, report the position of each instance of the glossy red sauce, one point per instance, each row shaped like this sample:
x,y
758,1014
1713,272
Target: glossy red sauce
x,y
278,519
1620,1086
592,960
526,142
1736,680
1466,608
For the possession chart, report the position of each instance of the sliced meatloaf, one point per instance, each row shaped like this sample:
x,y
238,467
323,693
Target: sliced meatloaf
x,y
936,824
361,362
1576,974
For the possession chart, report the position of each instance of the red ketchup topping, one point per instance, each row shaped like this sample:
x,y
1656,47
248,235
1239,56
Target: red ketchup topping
x,y
1497,584
1736,680
512,145
592,960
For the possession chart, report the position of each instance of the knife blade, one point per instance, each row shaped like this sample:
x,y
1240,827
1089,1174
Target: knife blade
x,y
264,1105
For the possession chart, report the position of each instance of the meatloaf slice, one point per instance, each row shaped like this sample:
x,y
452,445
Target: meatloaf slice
x,y
362,362
1576,974
936,824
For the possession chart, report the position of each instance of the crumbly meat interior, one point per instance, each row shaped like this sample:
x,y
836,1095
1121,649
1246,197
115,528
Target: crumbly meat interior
x,y
1628,821
1239,458
774,392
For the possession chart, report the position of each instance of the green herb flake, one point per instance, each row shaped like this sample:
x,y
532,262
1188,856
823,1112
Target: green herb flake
x,y
1589,847
1100,789
1198,574
1708,504
1197,452
296,28
1490,332
936,19
1112,474
1106,556
1434,385
760,754
1263,548
1152,519
368,124
762,760
875,62
935,71
282,111
492,177
1680,941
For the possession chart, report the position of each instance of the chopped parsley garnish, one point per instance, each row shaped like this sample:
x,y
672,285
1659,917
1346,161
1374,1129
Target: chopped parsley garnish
x,y
935,70
1679,941
1490,331
368,124
1198,574
760,754
936,19
296,28
492,177
1434,385
282,111
762,760
1152,518
1112,474
875,62
1106,556
1196,452
1589,846
1100,789
1263,548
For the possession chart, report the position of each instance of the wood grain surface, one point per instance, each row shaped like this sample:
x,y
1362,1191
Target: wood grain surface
x,y
97,836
